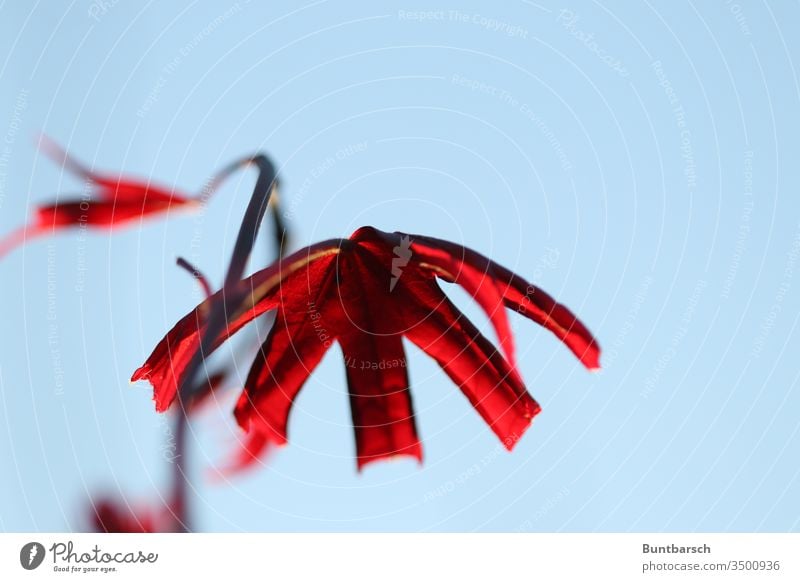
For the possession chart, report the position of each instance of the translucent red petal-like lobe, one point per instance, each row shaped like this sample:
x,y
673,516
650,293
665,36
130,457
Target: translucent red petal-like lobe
x,y
292,350
125,189
301,334
114,201
375,363
380,401
492,386
98,213
51,218
477,280
166,365
516,292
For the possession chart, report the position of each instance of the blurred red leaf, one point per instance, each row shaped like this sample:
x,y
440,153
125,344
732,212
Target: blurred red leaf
x,y
111,516
113,201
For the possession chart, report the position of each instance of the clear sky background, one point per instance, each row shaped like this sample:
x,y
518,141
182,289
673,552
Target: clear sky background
x,y
637,160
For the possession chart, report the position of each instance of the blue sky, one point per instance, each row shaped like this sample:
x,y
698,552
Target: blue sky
x,y
636,161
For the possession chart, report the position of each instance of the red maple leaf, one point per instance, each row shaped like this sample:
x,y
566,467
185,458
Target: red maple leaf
x,y
367,293
113,200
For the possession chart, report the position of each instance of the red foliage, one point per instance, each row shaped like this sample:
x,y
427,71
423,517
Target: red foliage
x,y
114,517
114,201
366,293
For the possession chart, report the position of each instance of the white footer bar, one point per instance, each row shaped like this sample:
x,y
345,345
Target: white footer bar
x,y
401,557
